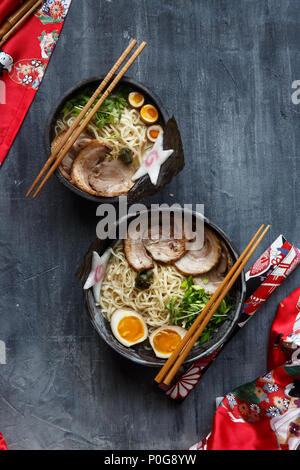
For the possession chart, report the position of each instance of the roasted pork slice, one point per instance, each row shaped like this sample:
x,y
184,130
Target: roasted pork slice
x,y
200,261
164,247
112,178
86,162
66,165
136,253
96,173
212,280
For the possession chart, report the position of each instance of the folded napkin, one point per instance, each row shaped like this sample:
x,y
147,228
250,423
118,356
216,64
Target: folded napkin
x,y
30,49
265,414
263,278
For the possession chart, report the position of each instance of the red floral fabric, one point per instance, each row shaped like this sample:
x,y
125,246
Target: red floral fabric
x,y
265,414
2,443
31,48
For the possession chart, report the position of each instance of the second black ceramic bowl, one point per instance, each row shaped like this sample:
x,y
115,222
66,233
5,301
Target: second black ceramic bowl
x,y
145,355
143,187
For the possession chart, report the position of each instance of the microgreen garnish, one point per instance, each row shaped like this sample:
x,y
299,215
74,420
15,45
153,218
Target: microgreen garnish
x,y
110,110
184,312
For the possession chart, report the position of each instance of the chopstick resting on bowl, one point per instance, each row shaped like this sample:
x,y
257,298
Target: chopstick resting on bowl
x,y
82,114
171,367
87,114
15,21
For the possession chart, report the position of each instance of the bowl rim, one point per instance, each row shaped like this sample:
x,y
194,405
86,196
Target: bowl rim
x,y
85,82
87,294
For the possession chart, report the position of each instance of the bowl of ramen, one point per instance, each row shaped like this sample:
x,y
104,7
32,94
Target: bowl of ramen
x,y
103,163
142,293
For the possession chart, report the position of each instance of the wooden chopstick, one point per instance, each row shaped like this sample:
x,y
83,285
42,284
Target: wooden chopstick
x,y
19,22
83,113
198,320
200,317
93,111
227,288
14,16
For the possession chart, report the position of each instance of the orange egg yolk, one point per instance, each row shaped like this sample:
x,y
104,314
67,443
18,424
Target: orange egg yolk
x,y
166,341
137,98
154,134
131,329
151,112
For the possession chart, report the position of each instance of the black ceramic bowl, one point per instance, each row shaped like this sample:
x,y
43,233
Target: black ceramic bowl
x,y
143,188
139,353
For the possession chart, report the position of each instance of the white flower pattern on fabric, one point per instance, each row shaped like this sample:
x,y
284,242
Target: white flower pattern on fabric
x,y
36,63
271,388
27,79
273,411
255,408
28,72
186,383
53,11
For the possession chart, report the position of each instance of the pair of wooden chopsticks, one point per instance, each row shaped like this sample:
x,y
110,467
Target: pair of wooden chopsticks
x,y
76,129
15,21
169,370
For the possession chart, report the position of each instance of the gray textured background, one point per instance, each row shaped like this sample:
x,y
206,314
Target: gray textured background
x,y
225,69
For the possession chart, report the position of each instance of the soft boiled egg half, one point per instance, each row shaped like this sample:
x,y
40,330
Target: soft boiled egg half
x,y
149,114
165,340
136,99
153,132
128,327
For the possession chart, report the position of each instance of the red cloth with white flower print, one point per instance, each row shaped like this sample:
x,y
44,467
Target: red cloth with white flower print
x,y
2,443
265,414
31,48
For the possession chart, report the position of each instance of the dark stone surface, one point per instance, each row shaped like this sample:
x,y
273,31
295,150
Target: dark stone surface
x,y
225,70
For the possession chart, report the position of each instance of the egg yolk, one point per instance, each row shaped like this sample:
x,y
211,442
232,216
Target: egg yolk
x,y
154,134
166,341
131,329
137,98
151,112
